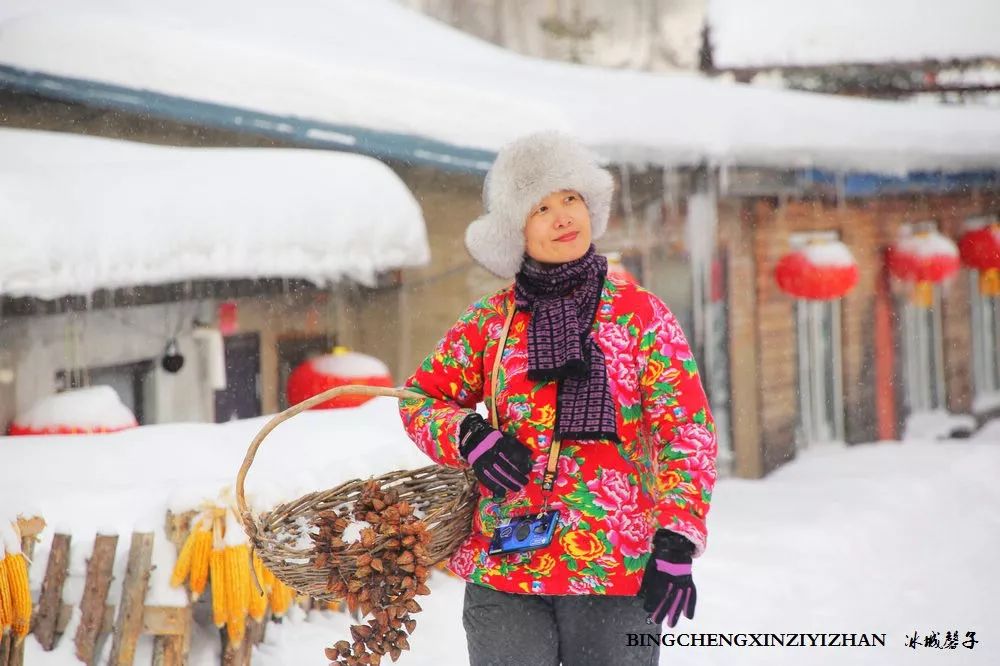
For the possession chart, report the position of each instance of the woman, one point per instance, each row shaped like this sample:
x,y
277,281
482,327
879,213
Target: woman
x,y
600,366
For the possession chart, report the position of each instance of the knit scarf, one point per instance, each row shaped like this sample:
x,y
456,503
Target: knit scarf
x,y
563,301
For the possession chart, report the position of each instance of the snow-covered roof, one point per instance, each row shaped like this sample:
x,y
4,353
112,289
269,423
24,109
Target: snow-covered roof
x,y
781,33
80,213
375,65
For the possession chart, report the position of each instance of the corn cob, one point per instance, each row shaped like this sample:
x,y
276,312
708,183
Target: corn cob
x,y
269,579
16,570
200,554
258,600
236,609
217,571
279,595
183,565
193,559
281,598
6,595
217,565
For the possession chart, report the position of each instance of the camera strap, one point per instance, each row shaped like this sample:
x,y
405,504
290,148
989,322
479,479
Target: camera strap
x,y
552,465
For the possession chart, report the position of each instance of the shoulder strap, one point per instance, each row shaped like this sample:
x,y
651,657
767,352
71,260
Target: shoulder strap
x,y
552,464
496,362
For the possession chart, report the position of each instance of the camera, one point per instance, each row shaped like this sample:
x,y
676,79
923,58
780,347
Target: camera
x,y
524,533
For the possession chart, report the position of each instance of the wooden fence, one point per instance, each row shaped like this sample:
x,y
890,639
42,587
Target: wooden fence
x,y
170,626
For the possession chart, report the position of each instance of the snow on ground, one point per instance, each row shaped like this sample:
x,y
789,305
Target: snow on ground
x,y
893,537
133,214
817,32
380,66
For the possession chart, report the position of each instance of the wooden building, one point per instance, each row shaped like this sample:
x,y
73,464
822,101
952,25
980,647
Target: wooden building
x,y
716,183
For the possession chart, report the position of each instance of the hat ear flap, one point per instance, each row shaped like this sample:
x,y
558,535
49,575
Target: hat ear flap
x,y
498,249
600,188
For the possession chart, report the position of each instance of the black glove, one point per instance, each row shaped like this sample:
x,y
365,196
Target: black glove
x,y
500,462
667,585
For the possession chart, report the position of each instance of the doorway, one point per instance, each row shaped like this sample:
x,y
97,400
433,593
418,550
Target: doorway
x,y
241,397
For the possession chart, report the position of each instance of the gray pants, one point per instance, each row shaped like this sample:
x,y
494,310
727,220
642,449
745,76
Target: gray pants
x,y
538,630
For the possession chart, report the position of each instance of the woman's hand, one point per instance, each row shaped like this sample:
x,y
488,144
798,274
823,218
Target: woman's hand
x,y
667,585
501,463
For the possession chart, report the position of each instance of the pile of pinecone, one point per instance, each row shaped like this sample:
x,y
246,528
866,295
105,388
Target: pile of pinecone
x,y
389,570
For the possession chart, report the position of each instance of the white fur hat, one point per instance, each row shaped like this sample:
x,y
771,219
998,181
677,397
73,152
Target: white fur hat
x,y
525,172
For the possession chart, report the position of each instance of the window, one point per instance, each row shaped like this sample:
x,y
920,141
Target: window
x,y
129,380
921,342
821,402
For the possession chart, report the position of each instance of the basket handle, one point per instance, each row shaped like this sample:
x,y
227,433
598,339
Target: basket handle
x,y
357,389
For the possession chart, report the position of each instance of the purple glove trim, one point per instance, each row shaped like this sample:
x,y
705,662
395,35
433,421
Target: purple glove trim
x,y
513,483
672,613
484,446
666,597
673,568
488,474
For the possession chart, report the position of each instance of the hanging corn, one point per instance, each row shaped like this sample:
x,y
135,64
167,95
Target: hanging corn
x,y
192,561
217,574
217,550
15,593
212,551
258,597
237,579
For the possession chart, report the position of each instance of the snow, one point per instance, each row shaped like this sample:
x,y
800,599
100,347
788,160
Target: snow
x,y
234,534
828,253
131,214
349,364
90,407
779,33
986,403
10,537
936,424
380,66
928,244
893,537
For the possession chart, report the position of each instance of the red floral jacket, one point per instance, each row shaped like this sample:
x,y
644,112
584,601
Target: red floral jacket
x,y
612,497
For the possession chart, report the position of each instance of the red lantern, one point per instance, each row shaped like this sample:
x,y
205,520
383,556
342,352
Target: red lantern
x,y
84,411
820,271
228,317
340,368
980,250
925,258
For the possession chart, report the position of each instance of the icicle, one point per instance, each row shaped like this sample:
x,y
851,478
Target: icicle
x,y
627,200
671,190
841,194
723,180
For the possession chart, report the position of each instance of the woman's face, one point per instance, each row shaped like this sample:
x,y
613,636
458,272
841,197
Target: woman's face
x,y
557,229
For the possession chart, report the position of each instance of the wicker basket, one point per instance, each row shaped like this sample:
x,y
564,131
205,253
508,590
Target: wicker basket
x,y
446,496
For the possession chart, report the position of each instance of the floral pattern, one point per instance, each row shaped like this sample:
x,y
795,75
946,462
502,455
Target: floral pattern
x,y
612,497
